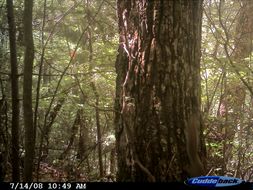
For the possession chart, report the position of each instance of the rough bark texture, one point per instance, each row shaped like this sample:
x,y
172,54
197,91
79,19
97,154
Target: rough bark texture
x,y
27,91
158,89
14,93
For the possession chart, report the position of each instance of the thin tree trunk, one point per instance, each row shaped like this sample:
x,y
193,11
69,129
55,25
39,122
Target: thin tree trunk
x,y
83,137
93,86
73,133
27,92
43,148
14,93
112,161
99,137
36,108
4,141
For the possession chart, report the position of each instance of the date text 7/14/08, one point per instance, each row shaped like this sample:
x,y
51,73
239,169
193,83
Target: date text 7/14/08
x,y
48,186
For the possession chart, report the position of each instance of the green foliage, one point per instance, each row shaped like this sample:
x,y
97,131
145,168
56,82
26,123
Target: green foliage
x,y
76,43
226,86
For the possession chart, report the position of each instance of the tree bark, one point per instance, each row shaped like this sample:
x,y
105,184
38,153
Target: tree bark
x,y
14,93
27,92
158,90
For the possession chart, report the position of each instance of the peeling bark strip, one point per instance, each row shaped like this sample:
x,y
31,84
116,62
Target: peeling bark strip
x,y
157,88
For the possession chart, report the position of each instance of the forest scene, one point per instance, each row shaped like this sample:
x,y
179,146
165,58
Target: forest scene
x,y
125,90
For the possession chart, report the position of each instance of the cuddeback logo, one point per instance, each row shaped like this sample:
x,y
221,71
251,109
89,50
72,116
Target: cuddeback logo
x,y
214,181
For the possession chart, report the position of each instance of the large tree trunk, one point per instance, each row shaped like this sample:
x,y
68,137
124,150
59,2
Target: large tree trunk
x,y
27,91
158,90
14,93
